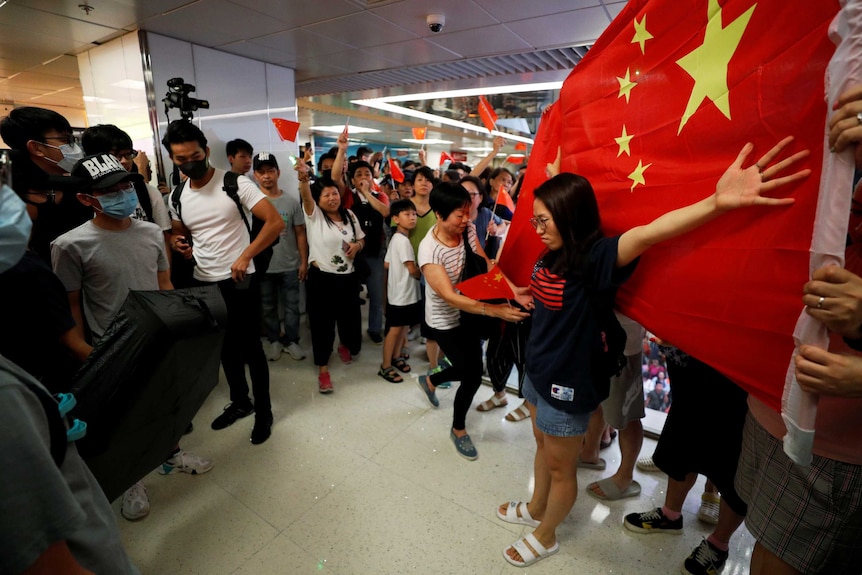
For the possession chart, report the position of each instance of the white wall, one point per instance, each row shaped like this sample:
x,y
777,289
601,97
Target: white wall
x,y
244,96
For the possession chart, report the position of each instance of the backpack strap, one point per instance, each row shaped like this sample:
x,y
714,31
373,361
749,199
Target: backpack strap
x,y
231,188
175,200
144,199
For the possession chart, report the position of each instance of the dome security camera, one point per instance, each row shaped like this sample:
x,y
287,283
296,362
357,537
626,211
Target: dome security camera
x,y
435,22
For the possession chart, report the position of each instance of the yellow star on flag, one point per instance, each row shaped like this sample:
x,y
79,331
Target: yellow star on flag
x,y
707,63
498,278
623,143
641,34
626,85
637,177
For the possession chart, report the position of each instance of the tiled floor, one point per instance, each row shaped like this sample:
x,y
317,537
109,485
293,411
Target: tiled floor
x,y
366,480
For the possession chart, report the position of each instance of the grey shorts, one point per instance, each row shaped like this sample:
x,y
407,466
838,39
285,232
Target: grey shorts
x,y
626,400
552,421
809,517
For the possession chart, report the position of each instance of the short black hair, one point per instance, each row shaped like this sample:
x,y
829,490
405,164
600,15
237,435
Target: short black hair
x,y
408,177
399,206
236,146
406,164
351,169
460,166
31,123
426,173
326,156
363,150
446,197
453,175
181,131
104,139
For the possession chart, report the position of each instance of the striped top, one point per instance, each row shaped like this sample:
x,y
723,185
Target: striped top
x,y
438,313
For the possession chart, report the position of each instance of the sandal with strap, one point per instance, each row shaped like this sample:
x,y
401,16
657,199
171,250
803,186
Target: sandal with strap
x,y
402,365
520,413
389,374
493,403
405,353
530,551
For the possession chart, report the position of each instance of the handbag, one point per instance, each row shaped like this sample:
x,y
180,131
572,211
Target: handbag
x,y
475,265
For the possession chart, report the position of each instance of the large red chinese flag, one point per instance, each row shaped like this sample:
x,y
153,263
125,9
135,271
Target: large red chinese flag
x,y
487,114
395,171
286,129
653,115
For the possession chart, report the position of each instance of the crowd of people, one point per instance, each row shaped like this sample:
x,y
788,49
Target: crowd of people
x,y
81,227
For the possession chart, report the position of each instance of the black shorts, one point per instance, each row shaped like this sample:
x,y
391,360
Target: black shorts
x,y
403,315
703,430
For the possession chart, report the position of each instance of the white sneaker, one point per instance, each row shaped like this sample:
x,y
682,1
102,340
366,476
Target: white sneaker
x,y
273,350
187,463
294,351
136,502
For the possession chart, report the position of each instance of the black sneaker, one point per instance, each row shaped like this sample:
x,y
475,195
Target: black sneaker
x,y
652,522
706,559
262,430
375,337
231,413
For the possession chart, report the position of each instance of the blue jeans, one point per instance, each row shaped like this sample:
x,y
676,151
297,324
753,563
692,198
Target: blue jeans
x,y
275,289
375,293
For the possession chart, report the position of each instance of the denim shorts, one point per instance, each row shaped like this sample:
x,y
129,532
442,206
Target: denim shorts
x,y
552,421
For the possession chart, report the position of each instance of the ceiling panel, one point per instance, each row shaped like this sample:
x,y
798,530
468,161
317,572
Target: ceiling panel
x,y
220,22
566,29
111,13
357,60
361,30
481,41
24,19
413,52
297,13
256,51
460,15
302,44
514,10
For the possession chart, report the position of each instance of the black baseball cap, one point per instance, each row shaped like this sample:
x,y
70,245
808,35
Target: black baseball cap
x,y
264,159
101,171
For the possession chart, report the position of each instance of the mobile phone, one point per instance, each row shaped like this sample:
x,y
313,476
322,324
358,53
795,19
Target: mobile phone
x,y
5,168
345,246
246,281
293,159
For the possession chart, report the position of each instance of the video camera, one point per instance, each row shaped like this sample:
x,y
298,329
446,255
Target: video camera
x,y
178,97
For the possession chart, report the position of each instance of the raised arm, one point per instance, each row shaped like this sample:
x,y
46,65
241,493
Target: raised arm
x,y
737,188
305,188
497,145
339,165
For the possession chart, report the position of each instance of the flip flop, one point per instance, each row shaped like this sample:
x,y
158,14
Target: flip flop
x,y
520,413
599,465
518,514
493,403
611,491
527,554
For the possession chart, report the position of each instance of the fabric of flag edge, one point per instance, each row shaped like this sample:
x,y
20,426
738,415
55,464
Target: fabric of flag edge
x,y
286,129
728,293
487,113
395,171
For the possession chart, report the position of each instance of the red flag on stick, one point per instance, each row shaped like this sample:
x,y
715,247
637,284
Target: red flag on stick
x,y
395,171
491,285
419,133
286,129
652,117
487,114
521,147
445,157
504,199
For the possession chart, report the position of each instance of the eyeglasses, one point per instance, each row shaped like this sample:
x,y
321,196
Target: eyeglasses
x,y
539,222
66,140
475,194
127,156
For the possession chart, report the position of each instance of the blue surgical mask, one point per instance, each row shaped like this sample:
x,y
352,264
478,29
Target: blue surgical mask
x,y
120,204
71,154
15,227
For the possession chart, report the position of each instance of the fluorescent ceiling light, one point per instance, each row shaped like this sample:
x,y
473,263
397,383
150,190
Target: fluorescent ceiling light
x,y
473,92
351,129
427,141
477,149
400,110
130,84
204,115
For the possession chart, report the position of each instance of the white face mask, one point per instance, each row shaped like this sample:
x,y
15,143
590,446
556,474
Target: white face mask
x,y
71,154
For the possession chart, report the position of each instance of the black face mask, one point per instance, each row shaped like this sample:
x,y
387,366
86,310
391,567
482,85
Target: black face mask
x,y
195,170
326,174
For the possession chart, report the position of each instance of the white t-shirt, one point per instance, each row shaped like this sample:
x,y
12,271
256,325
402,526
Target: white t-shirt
x,y
325,240
160,210
219,235
438,313
401,288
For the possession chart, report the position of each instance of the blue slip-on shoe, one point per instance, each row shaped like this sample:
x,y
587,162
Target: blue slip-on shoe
x,y
423,385
465,446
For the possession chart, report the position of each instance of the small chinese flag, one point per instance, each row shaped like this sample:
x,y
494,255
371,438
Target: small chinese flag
x,y
286,129
515,158
521,146
395,171
445,157
487,113
419,133
491,285
504,199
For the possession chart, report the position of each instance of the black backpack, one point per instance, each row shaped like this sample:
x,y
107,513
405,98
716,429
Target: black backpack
x,y
231,188
609,357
